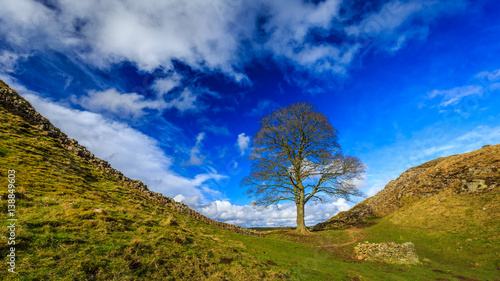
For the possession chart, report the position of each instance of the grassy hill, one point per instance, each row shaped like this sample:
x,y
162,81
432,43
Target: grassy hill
x,y
476,172
79,222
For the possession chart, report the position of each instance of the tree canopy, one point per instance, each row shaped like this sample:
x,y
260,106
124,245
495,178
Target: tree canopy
x,y
296,156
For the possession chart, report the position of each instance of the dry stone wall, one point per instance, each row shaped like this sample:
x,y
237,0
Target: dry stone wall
x,y
13,102
387,252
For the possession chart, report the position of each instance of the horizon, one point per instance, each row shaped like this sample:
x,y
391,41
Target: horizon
x,y
171,94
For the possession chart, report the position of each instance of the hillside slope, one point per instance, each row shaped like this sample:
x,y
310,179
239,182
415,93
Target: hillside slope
x,y
79,219
448,207
473,173
17,105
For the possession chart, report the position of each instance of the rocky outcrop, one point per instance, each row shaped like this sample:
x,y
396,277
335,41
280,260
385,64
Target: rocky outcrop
x,y
387,252
473,172
13,102
342,219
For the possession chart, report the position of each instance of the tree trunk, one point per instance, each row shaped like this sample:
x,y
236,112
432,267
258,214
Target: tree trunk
x,y
301,225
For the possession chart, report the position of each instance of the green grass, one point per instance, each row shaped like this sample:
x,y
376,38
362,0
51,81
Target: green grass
x,y
78,223
305,259
459,233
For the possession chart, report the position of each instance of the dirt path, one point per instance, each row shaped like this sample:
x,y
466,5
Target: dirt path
x,y
353,232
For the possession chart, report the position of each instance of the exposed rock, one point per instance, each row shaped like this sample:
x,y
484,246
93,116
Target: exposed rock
x,y
387,252
474,185
13,102
342,219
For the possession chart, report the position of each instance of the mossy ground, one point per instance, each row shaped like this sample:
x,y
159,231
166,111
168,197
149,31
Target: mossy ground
x,y
77,223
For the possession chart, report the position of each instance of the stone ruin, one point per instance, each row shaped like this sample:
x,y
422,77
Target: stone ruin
x,y
387,252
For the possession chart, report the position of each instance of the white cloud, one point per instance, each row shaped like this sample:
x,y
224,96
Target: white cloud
x,y
218,130
425,150
195,158
127,105
133,105
164,85
492,76
399,43
479,91
264,106
480,136
185,101
149,33
8,61
453,96
495,86
389,28
322,58
290,21
388,19
247,215
289,26
243,142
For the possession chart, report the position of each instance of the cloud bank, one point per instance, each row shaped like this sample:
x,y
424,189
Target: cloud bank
x,y
218,35
247,215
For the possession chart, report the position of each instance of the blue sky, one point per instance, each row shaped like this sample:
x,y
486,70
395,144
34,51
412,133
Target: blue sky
x,y
170,93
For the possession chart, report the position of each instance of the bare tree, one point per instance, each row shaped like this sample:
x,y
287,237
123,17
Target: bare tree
x,y
296,156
